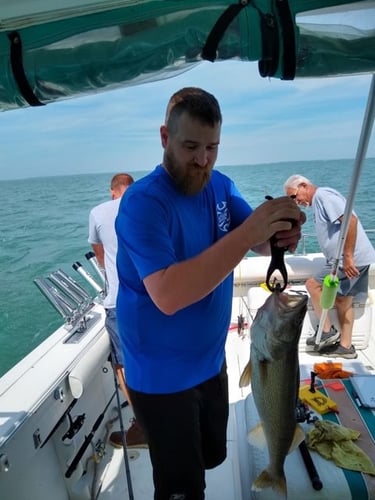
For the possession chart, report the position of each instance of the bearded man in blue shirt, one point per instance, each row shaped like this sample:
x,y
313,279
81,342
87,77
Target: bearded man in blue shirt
x,y
181,230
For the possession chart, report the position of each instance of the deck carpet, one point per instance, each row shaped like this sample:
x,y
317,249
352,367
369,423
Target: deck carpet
x,y
350,415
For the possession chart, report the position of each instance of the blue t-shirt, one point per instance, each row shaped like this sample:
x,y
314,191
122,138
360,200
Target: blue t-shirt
x,y
158,226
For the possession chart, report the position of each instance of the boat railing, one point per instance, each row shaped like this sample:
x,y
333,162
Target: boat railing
x,y
301,250
308,242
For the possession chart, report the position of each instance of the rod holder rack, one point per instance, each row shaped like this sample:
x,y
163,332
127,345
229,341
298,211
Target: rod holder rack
x,y
67,296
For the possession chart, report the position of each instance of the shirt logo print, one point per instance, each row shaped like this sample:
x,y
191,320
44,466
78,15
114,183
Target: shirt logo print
x,y
223,216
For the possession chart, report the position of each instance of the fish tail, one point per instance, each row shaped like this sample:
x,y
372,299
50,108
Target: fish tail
x,y
266,480
245,376
299,436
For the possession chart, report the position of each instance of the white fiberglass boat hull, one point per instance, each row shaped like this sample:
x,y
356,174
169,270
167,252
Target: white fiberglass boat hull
x,y
63,393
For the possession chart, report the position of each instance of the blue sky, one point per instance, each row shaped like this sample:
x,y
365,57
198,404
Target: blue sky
x,y
265,120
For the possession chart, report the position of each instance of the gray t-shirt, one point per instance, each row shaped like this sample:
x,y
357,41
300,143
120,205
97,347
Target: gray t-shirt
x,y
328,206
102,230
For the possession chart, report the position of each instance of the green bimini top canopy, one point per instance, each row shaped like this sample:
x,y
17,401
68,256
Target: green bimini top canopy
x,y
49,53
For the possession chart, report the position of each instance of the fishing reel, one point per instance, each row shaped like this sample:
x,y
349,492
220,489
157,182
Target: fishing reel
x,y
303,414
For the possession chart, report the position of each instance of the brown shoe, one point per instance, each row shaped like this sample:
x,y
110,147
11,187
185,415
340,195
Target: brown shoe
x,y
115,439
134,437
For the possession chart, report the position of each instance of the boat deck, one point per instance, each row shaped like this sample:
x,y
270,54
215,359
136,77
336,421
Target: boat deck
x,y
232,480
59,427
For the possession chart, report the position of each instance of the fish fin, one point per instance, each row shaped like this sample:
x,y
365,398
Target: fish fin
x,y
266,480
299,436
257,437
246,375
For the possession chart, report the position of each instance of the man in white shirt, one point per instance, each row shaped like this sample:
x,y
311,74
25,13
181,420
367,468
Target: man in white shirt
x,y
102,237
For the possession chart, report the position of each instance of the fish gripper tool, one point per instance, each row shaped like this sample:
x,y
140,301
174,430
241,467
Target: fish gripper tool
x,y
277,264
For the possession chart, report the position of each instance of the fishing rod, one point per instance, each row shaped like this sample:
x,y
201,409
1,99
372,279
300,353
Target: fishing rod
x,y
90,256
304,415
310,466
123,438
72,467
77,266
331,281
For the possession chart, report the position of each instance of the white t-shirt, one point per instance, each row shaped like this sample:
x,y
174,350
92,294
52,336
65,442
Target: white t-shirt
x,y
102,230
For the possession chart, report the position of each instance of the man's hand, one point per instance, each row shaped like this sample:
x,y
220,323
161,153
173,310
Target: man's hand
x,y
349,267
279,217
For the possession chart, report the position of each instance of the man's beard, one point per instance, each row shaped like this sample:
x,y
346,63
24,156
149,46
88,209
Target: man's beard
x,y
189,179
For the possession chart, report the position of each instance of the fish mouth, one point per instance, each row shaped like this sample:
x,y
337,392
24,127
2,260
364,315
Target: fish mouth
x,y
293,299
292,307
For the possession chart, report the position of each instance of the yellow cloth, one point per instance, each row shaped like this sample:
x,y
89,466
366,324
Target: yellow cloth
x,y
335,442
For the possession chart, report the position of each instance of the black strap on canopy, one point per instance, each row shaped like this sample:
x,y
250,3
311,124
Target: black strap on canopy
x,y
18,70
288,38
209,51
270,45
274,26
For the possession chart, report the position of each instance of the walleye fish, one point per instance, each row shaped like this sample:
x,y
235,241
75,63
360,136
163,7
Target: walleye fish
x,y
274,372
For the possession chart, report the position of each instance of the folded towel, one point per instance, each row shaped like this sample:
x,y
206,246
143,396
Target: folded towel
x,y
335,442
330,369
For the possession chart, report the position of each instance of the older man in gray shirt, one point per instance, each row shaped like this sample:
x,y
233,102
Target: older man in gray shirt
x,y
328,209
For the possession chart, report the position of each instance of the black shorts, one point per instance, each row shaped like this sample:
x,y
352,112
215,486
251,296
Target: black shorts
x,y
186,433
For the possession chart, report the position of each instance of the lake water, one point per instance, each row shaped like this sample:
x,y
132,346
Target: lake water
x,y
44,224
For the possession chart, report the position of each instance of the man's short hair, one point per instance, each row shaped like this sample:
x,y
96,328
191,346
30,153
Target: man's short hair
x,y
195,101
121,179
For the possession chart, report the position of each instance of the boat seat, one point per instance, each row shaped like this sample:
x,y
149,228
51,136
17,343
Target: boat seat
x,y
363,315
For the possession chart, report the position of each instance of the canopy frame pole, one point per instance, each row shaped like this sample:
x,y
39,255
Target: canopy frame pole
x,y
364,140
